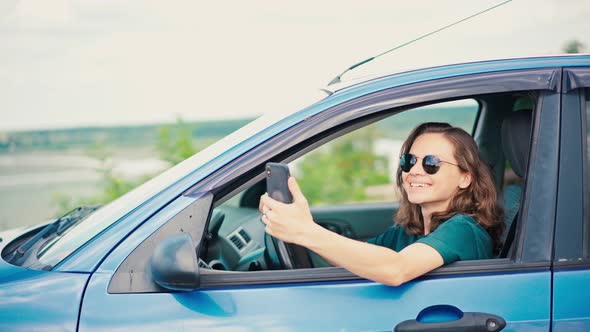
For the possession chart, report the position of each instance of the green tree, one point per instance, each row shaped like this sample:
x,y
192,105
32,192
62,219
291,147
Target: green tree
x,y
175,142
112,186
573,46
341,171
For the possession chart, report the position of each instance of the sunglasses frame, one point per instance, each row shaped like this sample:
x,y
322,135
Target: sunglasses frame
x,y
430,163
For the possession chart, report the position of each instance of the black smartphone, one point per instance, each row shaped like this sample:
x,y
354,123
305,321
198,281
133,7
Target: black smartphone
x,y
277,175
277,188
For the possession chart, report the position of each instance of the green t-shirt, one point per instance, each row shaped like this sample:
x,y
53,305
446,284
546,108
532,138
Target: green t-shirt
x,y
458,238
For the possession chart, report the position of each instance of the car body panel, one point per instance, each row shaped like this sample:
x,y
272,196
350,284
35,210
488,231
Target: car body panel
x,y
571,293
114,259
333,306
32,300
522,291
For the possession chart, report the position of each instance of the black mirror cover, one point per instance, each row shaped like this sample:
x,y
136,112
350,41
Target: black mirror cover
x,y
173,264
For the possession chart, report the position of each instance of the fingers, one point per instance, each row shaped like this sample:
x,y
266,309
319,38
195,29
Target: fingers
x,y
270,203
264,219
268,224
260,205
266,200
268,230
263,208
295,190
267,217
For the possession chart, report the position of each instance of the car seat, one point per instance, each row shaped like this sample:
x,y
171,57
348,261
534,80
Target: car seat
x,y
516,133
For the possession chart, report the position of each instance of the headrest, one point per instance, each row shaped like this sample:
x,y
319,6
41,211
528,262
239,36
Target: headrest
x,y
523,103
516,134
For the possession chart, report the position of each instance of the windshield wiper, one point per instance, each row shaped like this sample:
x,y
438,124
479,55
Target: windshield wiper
x,y
71,218
56,228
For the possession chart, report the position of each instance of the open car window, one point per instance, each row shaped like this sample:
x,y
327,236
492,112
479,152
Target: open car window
x,y
348,181
360,167
231,236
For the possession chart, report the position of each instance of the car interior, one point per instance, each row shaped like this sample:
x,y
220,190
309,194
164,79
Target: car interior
x,y
500,123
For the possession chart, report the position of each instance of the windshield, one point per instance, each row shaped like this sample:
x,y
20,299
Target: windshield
x,y
78,235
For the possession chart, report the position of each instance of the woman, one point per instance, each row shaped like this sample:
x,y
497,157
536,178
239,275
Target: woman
x,y
448,212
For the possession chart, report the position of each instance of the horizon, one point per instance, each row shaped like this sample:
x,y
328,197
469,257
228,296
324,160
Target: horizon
x,y
126,125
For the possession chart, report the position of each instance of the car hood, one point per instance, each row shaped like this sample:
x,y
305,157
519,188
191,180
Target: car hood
x,y
37,300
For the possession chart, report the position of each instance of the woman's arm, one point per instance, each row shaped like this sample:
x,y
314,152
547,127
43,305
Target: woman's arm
x,y
293,223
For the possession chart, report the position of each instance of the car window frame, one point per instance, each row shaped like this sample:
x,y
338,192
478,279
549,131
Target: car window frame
x,y
213,278
577,81
585,101
515,263
572,235
570,206
345,117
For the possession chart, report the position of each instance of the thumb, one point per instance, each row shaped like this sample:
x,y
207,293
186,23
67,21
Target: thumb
x,y
295,190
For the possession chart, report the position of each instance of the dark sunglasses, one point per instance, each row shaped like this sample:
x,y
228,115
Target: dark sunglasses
x,y
430,164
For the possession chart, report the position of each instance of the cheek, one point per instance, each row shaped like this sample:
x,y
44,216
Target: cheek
x,y
449,183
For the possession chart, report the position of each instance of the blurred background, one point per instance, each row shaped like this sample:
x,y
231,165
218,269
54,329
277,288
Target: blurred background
x,y
97,96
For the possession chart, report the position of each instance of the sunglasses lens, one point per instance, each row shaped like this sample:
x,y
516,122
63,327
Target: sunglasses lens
x,y
431,164
407,161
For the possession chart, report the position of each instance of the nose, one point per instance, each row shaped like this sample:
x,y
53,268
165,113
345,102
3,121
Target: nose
x,y
417,168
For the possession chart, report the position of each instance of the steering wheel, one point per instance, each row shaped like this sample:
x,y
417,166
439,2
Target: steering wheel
x,y
276,254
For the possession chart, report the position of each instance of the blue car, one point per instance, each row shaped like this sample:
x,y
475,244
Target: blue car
x,y
187,250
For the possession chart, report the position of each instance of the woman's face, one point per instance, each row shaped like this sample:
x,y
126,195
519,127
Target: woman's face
x,y
433,192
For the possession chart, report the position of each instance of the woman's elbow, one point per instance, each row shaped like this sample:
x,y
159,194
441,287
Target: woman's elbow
x,y
395,281
395,277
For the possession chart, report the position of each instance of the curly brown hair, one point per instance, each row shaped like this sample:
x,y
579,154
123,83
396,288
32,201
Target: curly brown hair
x,y
478,200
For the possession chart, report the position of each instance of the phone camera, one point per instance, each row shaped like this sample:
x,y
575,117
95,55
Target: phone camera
x,y
268,171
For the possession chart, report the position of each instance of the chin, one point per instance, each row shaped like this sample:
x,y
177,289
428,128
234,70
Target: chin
x,y
416,199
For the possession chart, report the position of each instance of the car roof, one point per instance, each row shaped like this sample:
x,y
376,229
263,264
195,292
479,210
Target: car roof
x,y
460,69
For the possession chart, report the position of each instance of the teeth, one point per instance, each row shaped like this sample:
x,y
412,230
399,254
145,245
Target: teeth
x,y
418,185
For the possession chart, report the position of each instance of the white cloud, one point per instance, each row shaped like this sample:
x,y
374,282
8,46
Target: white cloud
x,y
92,62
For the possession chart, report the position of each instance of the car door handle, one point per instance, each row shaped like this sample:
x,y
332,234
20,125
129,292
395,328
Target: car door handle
x,y
446,318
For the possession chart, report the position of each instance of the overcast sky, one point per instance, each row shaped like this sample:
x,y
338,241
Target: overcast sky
x,y
66,63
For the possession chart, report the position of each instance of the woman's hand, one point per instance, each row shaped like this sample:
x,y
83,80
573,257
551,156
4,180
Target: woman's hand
x,y
287,222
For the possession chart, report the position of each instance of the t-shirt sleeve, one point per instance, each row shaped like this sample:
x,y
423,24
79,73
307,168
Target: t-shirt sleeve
x,y
453,239
384,239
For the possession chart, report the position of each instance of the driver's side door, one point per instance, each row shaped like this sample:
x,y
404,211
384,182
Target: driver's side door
x,y
516,289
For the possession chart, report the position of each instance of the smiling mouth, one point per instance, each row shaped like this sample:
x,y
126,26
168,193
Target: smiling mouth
x,y
419,185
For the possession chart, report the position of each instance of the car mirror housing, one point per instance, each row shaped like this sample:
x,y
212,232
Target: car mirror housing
x,y
173,264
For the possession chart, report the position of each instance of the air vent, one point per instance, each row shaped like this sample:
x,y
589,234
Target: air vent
x,y
244,235
237,242
203,264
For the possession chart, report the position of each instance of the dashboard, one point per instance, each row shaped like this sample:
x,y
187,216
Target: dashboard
x,y
235,240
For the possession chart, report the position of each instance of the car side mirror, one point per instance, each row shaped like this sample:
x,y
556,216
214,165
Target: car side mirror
x,y
173,264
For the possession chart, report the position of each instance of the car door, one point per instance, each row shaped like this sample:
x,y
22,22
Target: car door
x,y
571,260
517,288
